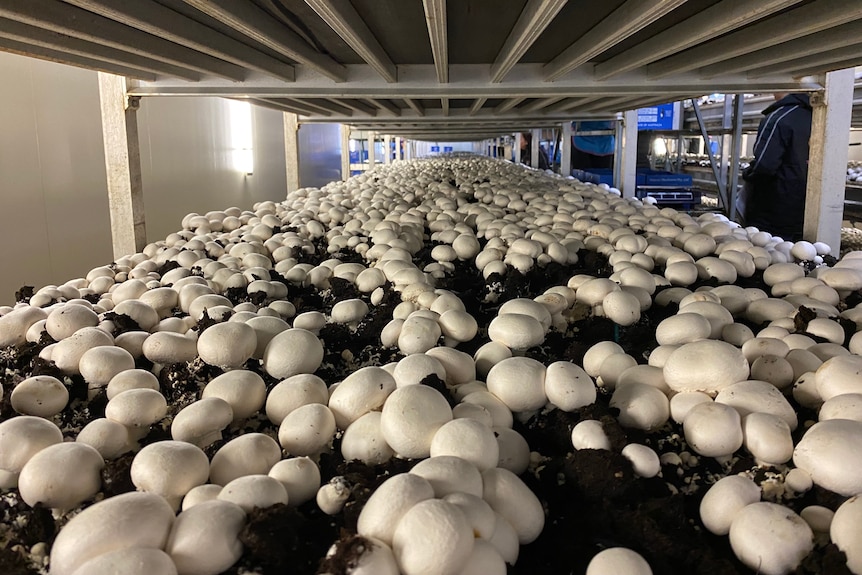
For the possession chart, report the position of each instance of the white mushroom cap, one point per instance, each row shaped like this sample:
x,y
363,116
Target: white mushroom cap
x,y
249,454
484,560
706,365
590,434
682,402
131,379
307,430
846,532
412,369
129,561
244,390
170,469
724,500
23,437
516,331
388,504
450,474
14,325
489,355
291,352
204,539
61,476
459,366
109,438
433,538
67,353
201,423
519,382
839,375
411,417
469,440
514,450
568,386
39,395
364,390
845,406
137,409
831,452
134,519
618,560
479,514
641,406
597,354
767,437
69,318
227,345
300,477
682,328
757,396
363,440
510,497
167,347
713,429
199,494
770,538
250,491
294,392
644,460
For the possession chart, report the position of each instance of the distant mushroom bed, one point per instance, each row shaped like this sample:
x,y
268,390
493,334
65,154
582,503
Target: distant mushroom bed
x,y
451,366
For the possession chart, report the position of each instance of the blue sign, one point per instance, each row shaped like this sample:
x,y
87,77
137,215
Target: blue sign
x,y
448,148
656,117
435,149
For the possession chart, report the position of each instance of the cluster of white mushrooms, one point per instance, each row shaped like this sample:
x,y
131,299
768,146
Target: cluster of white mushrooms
x,y
463,509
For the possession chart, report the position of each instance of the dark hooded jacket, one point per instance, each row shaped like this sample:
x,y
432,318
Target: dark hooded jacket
x,y
776,180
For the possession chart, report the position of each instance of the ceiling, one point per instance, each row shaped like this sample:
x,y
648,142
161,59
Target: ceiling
x,y
432,69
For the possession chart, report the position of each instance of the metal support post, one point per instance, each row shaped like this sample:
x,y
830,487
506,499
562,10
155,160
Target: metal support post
x,y
720,184
724,161
518,139
398,141
387,149
628,175
566,150
371,155
291,150
736,152
345,151
122,165
827,164
534,149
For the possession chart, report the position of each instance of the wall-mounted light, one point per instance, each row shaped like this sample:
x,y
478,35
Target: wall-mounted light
x,y
241,140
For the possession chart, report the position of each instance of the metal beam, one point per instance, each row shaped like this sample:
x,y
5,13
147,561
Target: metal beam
x,y
444,105
540,103
248,19
827,68
355,105
296,106
534,18
477,105
470,81
710,23
73,21
827,58
831,39
414,105
62,57
435,17
122,165
830,135
26,34
507,105
807,19
386,106
163,22
349,25
626,20
328,105
291,150
273,105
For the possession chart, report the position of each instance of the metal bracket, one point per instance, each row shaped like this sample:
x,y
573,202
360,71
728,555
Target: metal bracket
x,y
133,103
817,98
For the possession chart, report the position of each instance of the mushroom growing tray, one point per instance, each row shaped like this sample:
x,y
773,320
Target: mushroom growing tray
x,y
591,499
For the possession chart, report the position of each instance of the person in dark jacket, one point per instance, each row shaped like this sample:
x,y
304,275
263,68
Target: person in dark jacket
x,y
776,180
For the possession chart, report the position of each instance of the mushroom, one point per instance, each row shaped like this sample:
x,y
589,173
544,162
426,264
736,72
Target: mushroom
x,y
294,392
61,476
300,477
724,499
170,469
243,390
363,440
364,390
510,497
705,365
410,418
204,539
469,440
291,352
617,560
519,382
129,561
831,452
433,538
109,438
388,504
590,434
137,409
770,538
167,347
254,491
713,429
21,438
131,379
100,364
39,395
130,520
307,430
249,454
846,532
201,423
449,474
227,345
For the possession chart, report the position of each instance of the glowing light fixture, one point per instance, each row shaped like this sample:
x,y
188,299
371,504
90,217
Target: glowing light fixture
x,y
241,140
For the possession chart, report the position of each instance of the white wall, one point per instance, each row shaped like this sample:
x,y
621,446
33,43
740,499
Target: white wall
x,y
54,222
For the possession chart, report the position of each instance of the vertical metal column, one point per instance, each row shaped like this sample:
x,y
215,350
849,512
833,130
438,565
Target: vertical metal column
x,y
371,155
534,149
827,163
618,153
630,153
291,150
518,139
387,149
736,144
726,124
719,183
398,148
345,151
566,151
122,165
